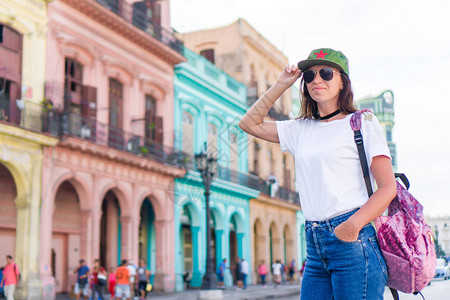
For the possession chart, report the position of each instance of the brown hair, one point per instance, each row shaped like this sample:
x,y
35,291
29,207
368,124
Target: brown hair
x,y
308,108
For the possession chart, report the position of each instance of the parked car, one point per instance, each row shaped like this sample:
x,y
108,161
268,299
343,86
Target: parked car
x,y
442,269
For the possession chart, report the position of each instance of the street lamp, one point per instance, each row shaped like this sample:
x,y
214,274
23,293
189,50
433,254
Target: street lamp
x,y
207,166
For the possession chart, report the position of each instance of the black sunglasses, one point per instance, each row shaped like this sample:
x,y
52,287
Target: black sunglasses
x,y
325,73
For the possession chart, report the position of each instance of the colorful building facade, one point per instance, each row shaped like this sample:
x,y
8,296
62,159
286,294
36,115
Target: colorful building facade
x,y
247,56
107,189
208,106
23,136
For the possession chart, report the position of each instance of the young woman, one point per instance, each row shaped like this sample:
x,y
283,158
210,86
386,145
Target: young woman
x,y
343,257
98,280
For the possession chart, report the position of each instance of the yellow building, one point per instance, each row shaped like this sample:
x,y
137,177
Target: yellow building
x,y
22,138
246,55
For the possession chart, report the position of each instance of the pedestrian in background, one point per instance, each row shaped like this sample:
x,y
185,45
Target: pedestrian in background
x,y
111,282
302,270
276,271
244,272
283,273
292,278
333,195
221,274
262,272
144,278
98,280
10,278
237,272
123,281
133,272
82,284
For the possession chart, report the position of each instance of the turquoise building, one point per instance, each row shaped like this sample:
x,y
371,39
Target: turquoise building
x,y
383,107
208,106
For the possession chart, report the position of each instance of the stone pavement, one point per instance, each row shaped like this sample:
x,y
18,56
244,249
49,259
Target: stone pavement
x,y
252,292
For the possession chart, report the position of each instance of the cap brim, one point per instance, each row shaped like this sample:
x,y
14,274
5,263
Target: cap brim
x,y
308,63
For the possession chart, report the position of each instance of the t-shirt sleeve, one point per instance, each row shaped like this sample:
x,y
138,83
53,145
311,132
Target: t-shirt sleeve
x,y
286,135
374,139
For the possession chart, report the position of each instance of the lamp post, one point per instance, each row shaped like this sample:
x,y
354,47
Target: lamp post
x,y
207,166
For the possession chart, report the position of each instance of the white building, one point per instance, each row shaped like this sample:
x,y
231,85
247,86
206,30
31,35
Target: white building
x,y
441,229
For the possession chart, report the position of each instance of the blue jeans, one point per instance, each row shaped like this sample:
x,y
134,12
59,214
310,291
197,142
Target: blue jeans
x,y
244,280
342,270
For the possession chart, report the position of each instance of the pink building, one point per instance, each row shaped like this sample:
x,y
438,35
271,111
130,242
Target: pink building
x,y
108,185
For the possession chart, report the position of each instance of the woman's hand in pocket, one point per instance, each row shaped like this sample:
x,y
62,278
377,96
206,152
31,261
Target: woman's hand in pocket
x,y
347,231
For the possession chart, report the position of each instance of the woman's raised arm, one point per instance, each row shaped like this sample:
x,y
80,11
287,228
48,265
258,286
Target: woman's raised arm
x,y
253,121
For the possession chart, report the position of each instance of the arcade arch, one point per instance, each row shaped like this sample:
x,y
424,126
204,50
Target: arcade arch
x,y
8,217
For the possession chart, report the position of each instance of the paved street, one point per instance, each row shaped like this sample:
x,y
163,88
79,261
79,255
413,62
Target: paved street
x,y
251,293
437,290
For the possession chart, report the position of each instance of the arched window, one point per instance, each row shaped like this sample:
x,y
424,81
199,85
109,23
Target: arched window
x,y
73,85
10,73
115,135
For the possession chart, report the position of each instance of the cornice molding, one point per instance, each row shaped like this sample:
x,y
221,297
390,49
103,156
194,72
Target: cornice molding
x,y
263,198
117,24
120,157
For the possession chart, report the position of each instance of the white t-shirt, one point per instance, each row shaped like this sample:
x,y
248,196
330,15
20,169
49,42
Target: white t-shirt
x,y
327,167
132,270
244,267
276,268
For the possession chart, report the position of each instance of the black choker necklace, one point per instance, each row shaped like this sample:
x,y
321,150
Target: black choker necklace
x,y
329,116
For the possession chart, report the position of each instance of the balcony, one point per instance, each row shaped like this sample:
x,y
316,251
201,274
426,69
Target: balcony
x,y
138,15
37,118
26,115
131,21
74,124
249,180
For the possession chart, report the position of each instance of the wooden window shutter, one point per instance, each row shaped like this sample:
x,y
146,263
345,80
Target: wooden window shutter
x,y
89,102
14,111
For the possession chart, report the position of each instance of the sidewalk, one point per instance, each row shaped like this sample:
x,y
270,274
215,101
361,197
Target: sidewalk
x,y
252,292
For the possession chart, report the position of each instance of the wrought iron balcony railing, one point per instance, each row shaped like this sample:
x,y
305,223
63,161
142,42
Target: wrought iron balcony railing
x,y
249,180
74,124
38,118
139,14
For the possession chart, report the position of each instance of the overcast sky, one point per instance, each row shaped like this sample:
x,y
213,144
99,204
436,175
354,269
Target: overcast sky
x,y
391,44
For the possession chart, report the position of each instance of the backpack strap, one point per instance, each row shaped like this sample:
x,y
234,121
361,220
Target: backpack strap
x,y
355,123
394,293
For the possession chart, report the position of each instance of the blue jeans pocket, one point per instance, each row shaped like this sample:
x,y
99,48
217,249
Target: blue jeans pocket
x,y
358,240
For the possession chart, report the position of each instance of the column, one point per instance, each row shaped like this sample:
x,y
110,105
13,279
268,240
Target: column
x,y
86,235
126,249
33,283
22,243
165,256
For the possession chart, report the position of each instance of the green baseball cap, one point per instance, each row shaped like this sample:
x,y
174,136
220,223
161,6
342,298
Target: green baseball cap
x,y
325,56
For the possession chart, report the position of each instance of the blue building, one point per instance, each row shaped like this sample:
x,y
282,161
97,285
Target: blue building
x,y
208,106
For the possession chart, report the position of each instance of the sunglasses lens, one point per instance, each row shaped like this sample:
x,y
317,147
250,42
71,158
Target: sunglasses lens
x,y
308,76
326,74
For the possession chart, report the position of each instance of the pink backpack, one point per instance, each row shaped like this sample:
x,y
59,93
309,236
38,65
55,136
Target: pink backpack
x,y
405,240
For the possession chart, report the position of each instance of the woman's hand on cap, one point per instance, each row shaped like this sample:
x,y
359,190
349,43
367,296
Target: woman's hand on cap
x,y
289,75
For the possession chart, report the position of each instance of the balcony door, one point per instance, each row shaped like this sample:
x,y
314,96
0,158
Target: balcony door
x,y
10,73
115,135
